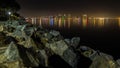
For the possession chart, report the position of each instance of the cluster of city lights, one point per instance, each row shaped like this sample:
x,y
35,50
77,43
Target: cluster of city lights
x,y
67,21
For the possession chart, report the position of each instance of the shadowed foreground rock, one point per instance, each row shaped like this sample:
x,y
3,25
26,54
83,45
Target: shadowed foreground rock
x,y
99,59
25,45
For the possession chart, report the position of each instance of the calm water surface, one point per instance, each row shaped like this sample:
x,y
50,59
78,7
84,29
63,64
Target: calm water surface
x,y
100,34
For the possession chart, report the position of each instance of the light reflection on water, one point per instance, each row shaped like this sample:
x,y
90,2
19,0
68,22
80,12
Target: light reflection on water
x,y
70,22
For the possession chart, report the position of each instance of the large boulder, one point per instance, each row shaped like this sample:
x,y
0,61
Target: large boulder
x,y
34,61
104,61
27,43
43,58
57,47
12,52
70,57
61,48
75,42
9,57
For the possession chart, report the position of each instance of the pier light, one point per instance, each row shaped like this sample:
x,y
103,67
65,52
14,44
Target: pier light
x,y
9,13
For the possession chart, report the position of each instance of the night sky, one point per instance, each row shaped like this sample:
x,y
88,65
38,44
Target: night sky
x,y
74,7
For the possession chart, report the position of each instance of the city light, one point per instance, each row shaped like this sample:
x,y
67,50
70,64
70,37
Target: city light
x,y
101,18
69,21
119,22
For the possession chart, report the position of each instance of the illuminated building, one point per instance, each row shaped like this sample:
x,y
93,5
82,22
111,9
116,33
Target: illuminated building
x,y
59,22
40,21
55,20
32,20
35,20
51,21
119,22
63,20
94,21
100,22
79,20
84,20
28,20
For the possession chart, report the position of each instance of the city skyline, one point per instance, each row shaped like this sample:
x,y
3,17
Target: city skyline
x,y
71,21
75,7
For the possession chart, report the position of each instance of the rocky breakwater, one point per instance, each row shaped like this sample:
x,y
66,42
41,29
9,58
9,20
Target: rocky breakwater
x,y
23,45
26,45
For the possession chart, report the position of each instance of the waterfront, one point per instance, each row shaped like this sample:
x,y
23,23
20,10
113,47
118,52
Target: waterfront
x,y
99,33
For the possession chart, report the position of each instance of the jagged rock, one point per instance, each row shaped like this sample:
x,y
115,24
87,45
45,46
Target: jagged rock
x,y
61,48
54,33
34,61
103,61
17,35
14,64
44,40
28,42
2,56
12,52
75,42
58,47
15,23
10,58
99,59
30,30
48,36
68,41
20,27
70,57
1,28
43,58
10,27
118,61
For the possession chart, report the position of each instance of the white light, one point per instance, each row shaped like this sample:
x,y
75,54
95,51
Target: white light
x,y
101,18
9,13
85,15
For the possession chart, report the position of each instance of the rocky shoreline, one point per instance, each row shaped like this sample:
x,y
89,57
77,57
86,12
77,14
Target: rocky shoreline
x,y
23,45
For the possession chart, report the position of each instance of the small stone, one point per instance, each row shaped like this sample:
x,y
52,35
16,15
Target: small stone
x,y
54,33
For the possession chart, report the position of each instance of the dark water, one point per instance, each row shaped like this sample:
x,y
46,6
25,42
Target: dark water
x,y
99,34
105,40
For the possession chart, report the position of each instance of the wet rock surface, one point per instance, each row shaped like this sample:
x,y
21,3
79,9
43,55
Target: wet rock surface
x,y
23,45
